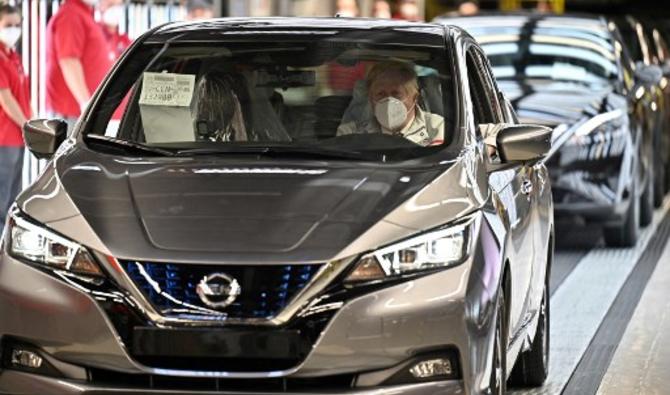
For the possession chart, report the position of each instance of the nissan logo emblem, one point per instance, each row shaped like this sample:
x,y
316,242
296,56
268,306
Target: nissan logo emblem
x,y
218,290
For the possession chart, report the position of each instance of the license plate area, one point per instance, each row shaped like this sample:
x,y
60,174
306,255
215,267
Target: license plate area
x,y
217,343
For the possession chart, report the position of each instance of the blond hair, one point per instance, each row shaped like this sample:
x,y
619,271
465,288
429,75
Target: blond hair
x,y
404,70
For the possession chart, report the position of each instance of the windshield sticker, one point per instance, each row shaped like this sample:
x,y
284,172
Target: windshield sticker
x,y
167,89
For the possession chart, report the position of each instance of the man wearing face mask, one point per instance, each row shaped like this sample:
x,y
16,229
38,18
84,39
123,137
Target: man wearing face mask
x,y
393,94
14,108
78,57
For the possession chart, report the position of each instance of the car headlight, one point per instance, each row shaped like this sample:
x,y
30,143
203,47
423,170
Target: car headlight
x,y
442,248
37,244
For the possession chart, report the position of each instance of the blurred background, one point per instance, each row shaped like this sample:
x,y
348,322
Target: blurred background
x,y
131,18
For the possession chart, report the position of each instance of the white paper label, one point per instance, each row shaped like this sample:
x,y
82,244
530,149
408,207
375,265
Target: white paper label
x,y
167,89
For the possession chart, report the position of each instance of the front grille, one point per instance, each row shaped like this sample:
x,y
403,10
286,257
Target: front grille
x,y
265,289
269,385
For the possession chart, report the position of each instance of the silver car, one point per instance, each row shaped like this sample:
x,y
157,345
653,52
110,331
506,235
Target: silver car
x,y
283,205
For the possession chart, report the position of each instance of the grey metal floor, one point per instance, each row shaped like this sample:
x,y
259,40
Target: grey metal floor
x,y
641,364
586,280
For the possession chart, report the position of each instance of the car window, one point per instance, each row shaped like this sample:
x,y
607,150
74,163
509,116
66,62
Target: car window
x,y
623,58
381,97
509,112
633,38
483,96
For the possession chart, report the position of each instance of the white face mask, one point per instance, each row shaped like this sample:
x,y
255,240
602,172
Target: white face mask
x,y
390,112
113,15
10,35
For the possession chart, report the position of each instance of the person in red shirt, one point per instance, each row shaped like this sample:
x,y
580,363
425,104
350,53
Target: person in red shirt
x,y
111,14
14,108
78,57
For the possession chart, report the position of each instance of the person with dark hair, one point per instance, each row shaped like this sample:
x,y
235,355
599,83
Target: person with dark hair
x,y
78,57
217,111
14,108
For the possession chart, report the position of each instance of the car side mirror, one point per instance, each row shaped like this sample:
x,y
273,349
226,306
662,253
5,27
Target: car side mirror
x,y
648,74
44,136
521,144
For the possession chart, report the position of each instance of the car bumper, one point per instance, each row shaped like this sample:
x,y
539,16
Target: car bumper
x,y
20,383
367,337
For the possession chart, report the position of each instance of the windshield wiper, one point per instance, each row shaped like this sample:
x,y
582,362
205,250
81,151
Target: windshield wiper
x,y
280,150
126,146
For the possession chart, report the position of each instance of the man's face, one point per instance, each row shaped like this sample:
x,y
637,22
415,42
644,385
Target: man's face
x,y
391,84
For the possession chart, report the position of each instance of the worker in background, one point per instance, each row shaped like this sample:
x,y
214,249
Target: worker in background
x,y
408,10
543,7
15,108
342,77
199,9
78,57
347,8
381,9
468,7
111,14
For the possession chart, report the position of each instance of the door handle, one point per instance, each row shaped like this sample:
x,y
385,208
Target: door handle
x,y
526,187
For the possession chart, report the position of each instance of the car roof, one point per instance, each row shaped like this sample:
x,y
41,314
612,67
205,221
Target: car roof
x,y
444,18
281,25
568,25
576,20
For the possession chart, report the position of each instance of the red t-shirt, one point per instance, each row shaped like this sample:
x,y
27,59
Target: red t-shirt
x,y
73,33
13,78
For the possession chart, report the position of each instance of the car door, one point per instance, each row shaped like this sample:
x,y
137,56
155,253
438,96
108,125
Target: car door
x,y
542,213
513,187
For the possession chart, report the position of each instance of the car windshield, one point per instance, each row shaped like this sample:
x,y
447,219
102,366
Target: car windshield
x,y
374,94
558,49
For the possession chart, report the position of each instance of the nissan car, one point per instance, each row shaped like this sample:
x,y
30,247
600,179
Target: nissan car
x,y
286,205
573,73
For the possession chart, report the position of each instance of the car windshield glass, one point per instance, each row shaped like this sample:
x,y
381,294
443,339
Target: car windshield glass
x,y
558,49
378,94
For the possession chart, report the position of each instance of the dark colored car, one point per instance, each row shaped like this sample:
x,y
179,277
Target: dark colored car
x,y
649,51
572,73
228,236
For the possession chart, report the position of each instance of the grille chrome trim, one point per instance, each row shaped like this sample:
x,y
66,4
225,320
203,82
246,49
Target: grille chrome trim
x,y
318,283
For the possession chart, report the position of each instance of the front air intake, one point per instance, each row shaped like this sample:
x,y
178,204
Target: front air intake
x,y
262,292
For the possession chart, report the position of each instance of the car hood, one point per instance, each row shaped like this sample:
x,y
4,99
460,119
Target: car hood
x,y
209,209
552,103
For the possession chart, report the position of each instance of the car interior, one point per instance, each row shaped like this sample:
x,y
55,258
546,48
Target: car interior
x,y
252,96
